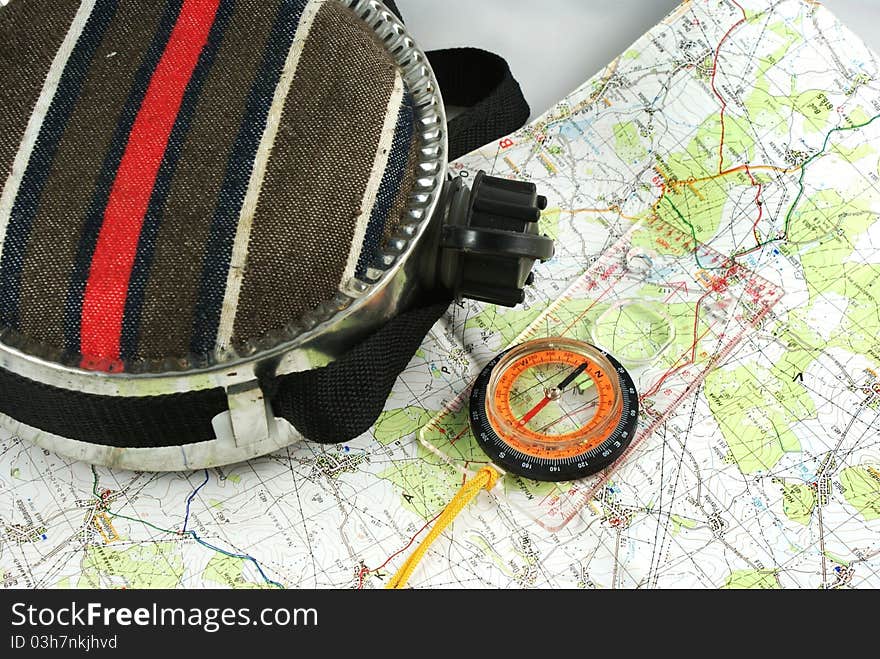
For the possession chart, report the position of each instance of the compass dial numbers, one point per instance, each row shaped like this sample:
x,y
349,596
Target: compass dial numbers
x,y
554,409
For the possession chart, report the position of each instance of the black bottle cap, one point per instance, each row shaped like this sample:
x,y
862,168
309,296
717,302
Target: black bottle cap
x,y
491,240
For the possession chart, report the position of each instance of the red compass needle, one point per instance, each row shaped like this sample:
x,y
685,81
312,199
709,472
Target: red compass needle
x,y
534,411
550,395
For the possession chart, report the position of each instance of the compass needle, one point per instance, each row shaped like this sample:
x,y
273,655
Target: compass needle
x,y
544,431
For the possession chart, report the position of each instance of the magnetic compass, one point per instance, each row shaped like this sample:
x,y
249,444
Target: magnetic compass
x,y
554,409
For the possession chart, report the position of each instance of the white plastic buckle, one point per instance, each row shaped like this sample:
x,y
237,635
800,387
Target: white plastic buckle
x,y
250,419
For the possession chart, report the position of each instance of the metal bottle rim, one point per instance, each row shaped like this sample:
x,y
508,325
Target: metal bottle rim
x,y
241,366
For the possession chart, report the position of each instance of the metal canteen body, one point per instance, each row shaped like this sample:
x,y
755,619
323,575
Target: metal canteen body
x,y
479,243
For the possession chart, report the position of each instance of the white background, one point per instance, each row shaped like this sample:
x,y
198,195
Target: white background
x,y
555,45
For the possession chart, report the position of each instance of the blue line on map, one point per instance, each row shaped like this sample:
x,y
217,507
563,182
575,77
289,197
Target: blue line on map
x,y
190,499
244,557
194,535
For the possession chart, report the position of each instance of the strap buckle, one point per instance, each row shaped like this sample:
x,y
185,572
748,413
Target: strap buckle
x,y
250,419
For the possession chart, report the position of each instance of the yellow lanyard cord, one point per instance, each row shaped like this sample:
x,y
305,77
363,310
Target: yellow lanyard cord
x,y
486,479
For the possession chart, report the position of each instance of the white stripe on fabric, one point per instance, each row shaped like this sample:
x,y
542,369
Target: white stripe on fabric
x,y
237,263
380,164
35,123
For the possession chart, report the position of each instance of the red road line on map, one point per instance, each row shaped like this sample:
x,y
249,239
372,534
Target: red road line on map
x,y
587,310
715,91
697,324
677,287
460,435
567,415
759,244
693,348
672,371
365,571
758,203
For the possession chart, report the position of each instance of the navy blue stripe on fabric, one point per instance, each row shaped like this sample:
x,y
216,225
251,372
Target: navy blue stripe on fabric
x,y
389,189
95,215
221,238
27,202
140,274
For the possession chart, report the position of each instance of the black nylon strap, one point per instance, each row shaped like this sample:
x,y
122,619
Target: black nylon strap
x,y
328,405
482,82
343,400
120,421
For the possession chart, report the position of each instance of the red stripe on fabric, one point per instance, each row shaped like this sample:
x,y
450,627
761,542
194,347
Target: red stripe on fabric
x,y
113,260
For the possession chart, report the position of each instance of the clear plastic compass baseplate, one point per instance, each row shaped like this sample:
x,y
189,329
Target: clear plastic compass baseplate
x,y
668,308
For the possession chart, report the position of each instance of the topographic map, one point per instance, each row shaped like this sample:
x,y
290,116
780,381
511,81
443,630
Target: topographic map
x,y
752,125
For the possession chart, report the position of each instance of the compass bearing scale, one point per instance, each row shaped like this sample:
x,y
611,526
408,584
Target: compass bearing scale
x,y
554,409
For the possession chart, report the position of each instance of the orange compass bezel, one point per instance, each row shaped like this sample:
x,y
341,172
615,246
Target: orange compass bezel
x,y
589,436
